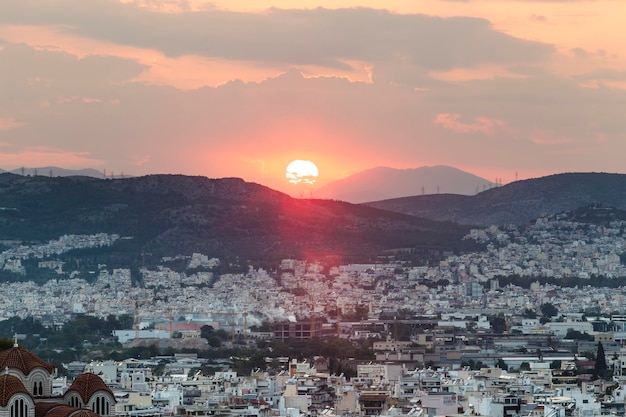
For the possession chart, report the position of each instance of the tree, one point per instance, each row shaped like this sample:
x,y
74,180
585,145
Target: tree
x,y
601,369
498,323
206,331
471,326
548,310
529,314
5,343
576,335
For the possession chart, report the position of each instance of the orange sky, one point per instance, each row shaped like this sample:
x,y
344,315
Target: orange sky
x,y
240,88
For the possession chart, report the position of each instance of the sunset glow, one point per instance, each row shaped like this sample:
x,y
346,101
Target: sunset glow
x,y
301,172
504,89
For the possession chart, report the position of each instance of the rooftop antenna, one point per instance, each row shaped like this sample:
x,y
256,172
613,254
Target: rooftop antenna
x,y
232,326
395,328
136,320
338,321
312,317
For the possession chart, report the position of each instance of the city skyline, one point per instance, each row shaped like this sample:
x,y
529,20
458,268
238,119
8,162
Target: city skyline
x,y
497,88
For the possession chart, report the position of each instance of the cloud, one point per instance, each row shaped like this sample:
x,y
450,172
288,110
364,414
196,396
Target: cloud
x,y
603,75
478,125
319,37
44,156
544,137
538,18
8,123
59,76
531,1
218,131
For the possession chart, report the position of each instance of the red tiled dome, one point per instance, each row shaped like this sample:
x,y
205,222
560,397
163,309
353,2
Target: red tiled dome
x,y
87,384
9,386
22,359
61,410
42,408
83,412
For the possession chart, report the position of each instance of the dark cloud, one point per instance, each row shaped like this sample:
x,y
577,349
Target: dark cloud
x,y
300,37
603,75
26,72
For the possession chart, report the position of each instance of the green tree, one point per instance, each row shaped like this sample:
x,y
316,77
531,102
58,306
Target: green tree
x,y
601,369
498,323
529,314
576,335
548,310
5,343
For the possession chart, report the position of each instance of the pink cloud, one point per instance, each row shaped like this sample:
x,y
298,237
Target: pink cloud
x,y
42,156
483,125
86,100
8,123
546,137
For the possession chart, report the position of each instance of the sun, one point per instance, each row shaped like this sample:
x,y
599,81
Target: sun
x,y
301,172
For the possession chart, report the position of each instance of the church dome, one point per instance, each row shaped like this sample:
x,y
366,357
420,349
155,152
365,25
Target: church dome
x,y
21,359
9,386
56,410
88,384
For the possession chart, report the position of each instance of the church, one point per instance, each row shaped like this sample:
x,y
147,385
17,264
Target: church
x,y
26,389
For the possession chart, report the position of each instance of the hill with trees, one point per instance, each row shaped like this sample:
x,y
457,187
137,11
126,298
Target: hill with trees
x,y
516,203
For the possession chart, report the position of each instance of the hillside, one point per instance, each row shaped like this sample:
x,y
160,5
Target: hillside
x,y
385,183
518,202
227,218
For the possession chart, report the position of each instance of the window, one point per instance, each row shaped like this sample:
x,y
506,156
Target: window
x,y
19,408
74,402
38,388
100,405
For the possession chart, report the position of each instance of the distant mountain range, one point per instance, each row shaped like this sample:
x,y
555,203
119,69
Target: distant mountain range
x,y
57,172
383,183
518,202
374,184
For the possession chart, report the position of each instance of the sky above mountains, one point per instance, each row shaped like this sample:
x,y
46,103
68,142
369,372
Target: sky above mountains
x,y
239,88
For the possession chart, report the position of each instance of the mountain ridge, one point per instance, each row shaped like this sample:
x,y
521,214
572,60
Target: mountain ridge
x,y
517,202
382,183
54,171
225,218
